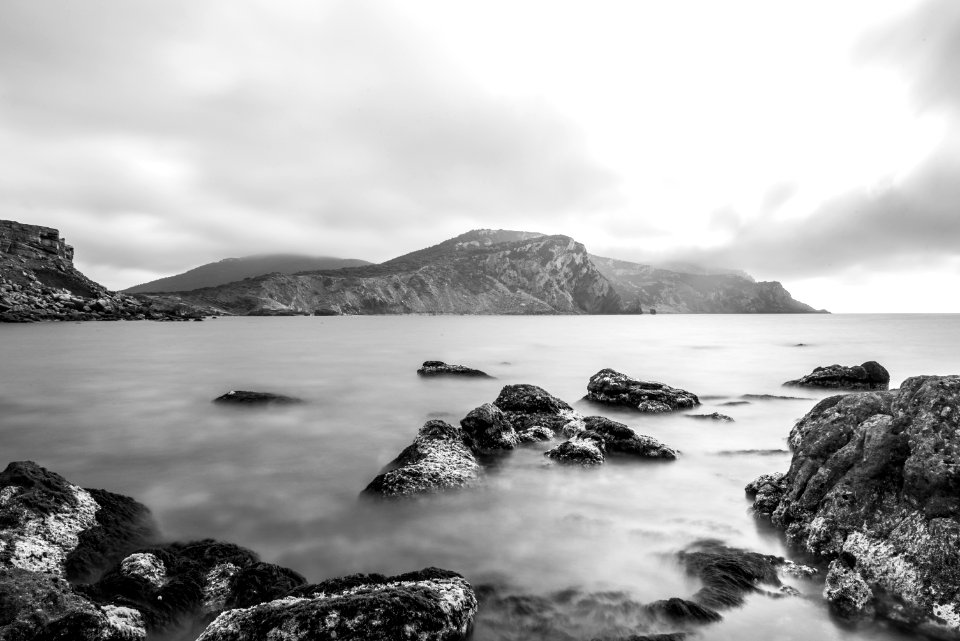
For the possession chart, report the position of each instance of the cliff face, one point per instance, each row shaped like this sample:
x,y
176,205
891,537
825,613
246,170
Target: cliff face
x,y
695,293
39,282
482,272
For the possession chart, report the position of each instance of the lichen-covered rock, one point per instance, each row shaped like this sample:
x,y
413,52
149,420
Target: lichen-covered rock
x,y
38,606
525,406
874,484
49,525
242,397
487,430
584,449
437,460
429,605
439,368
622,440
612,387
847,592
868,376
766,492
146,566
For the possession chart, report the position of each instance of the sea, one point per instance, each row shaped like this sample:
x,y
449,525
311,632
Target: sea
x,y
570,552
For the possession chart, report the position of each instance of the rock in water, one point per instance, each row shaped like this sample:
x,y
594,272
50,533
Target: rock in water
x,y
614,388
488,431
439,368
528,406
873,485
620,439
584,449
240,397
437,460
869,376
715,416
429,605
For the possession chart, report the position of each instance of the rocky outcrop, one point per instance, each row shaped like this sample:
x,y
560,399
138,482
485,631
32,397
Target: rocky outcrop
x,y
527,406
241,397
612,387
437,460
431,605
39,282
872,486
584,449
487,430
525,274
869,376
691,291
439,368
618,439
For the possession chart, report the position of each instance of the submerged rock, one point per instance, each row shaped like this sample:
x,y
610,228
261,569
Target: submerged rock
x,y
439,368
429,605
437,460
868,376
614,388
241,397
585,449
50,525
681,610
715,416
619,439
527,406
487,430
873,485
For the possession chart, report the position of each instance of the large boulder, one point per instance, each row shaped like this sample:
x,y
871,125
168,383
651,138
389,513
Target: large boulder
x,y
429,605
874,486
438,459
50,525
439,368
527,406
618,439
487,430
612,387
868,376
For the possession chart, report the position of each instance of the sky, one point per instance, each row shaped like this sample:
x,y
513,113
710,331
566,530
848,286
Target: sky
x,y
812,142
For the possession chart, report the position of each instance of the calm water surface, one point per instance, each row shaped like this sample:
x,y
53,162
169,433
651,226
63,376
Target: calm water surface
x,y
126,407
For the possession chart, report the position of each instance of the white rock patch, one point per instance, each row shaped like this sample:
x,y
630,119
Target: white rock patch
x,y
146,566
123,623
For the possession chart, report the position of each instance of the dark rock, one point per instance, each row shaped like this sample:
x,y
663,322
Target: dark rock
x,y
439,368
437,460
583,449
732,403
773,397
527,406
873,486
255,398
609,386
681,610
536,434
277,312
487,430
869,376
433,605
766,490
622,440
715,416
37,606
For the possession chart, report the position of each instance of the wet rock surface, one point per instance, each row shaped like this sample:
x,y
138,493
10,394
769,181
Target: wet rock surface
x,y
584,449
487,430
242,397
437,460
868,376
611,387
620,440
432,605
527,406
873,486
439,368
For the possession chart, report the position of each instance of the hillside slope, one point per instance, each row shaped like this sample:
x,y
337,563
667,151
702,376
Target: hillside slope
x,y
229,270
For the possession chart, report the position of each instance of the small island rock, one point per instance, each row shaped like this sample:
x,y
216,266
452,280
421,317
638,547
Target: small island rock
x,y
612,387
622,440
868,376
526,406
241,397
439,368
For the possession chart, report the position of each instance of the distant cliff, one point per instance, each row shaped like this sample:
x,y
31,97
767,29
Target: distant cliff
x,y
229,270
480,272
695,293
39,282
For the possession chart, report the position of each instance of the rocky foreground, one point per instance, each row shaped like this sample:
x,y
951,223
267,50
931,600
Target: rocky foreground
x,y
874,488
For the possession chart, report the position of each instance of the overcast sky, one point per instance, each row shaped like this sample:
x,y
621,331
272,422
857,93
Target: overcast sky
x,y
812,142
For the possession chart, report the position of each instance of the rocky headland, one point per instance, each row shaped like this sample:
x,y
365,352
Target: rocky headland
x,y
873,489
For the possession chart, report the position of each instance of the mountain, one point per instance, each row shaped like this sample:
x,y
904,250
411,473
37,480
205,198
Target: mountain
x,y
704,292
480,272
233,269
38,281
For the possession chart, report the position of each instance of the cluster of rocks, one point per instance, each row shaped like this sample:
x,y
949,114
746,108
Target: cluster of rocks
x,y
873,489
868,376
82,564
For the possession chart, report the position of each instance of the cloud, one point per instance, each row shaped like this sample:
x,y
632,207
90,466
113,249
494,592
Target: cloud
x,y
203,131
